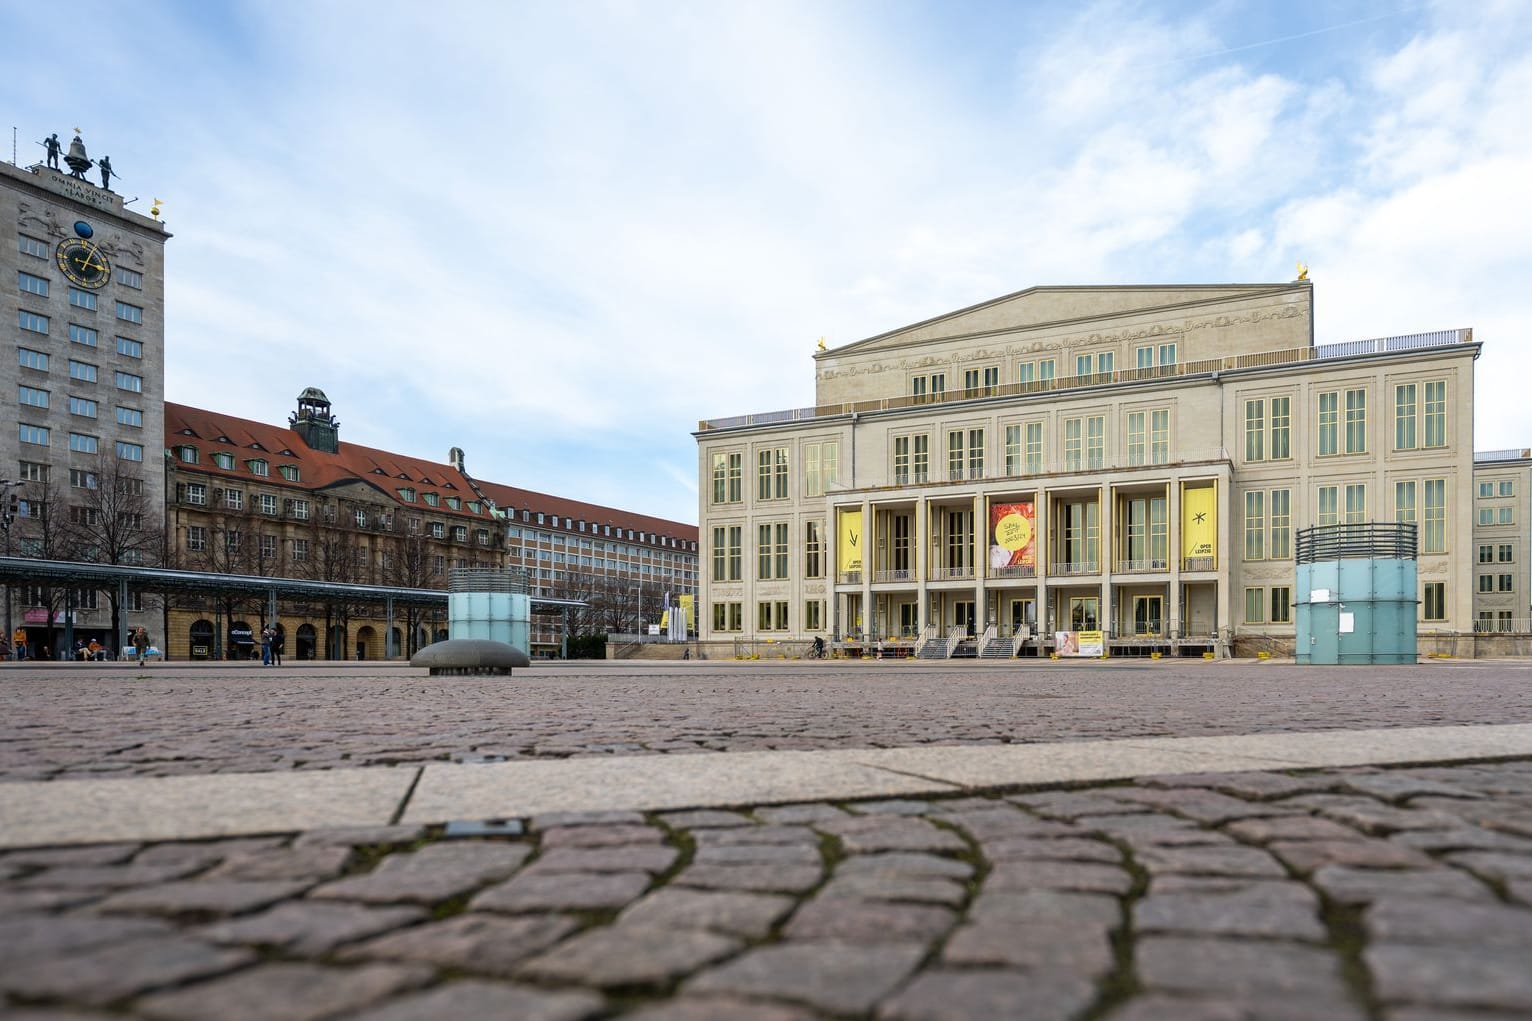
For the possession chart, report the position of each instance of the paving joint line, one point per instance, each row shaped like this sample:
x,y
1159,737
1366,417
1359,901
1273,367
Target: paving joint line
x,y
409,792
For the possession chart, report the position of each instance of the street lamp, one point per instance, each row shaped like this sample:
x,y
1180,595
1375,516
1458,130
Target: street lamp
x,y
8,507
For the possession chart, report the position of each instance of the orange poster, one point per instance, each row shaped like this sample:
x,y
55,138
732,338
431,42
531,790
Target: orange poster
x,y
1012,531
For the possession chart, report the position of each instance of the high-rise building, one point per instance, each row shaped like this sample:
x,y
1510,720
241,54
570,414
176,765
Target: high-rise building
x,y
1133,460
83,328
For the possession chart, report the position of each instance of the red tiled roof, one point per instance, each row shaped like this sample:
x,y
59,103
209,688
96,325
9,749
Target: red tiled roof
x,y
211,432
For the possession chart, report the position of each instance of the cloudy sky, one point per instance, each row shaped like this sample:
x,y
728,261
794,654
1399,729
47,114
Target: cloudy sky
x,y
558,234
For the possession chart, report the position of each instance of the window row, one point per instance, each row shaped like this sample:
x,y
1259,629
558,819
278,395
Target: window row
x,y
984,381
1420,421
80,443
1274,605
1502,488
770,615
39,249
821,471
772,548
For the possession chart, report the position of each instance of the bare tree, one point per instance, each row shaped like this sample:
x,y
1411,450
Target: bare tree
x,y
112,521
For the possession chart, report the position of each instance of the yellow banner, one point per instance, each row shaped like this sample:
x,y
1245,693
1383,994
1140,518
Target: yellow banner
x,y
689,608
1199,522
849,542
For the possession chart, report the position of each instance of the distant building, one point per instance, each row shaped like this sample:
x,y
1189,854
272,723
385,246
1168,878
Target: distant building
x,y
296,501
1133,460
83,329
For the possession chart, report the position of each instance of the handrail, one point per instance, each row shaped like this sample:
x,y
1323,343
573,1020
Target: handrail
x,y
955,634
984,639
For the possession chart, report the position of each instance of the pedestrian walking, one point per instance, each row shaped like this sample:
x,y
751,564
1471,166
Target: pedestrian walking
x,y
277,640
141,645
266,646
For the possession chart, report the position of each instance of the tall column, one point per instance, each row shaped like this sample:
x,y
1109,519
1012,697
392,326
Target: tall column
x,y
1108,551
981,605
1176,611
868,559
1224,605
922,561
1043,544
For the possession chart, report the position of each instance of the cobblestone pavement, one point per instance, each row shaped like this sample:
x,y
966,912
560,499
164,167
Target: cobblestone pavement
x,y
93,720
1388,895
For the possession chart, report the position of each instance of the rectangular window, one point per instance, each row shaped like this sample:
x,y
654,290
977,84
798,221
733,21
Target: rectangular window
x,y
268,547
1506,516
1486,490
130,451
956,452
1356,421
720,478
83,443
82,406
1013,450
1281,428
1255,525
234,499
130,417
813,549
128,278
901,461
130,348
1505,583
31,246
37,434
736,557
1486,515
1434,600
1034,456
1329,506
1356,503
196,538
1329,423
1084,364
1281,525
1144,356
1434,414
1486,554
1433,536
1507,553
129,382
736,479
1507,487
918,389
30,284
1045,369
82,335
991,380
32,321
85,372
301,511
32,397
1255,606
814,615
922,459
1281,604
1404,502
82,299
1026,372
196,493
971,383
79,478
1074,443
30,359
1404,416
1159,436
1095,442
129,313
1486,583
31,471
976,453
1137,437
763,550
1255,430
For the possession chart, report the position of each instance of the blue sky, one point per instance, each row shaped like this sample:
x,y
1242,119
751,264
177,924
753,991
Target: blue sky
x,y
557,235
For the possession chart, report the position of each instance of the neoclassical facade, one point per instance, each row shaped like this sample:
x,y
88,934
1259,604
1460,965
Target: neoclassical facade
x,y
1134,460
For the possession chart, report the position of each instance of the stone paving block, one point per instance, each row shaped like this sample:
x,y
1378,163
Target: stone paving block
x,y
652,859
865,923
1291,827
600,836
359,836
1253,785
1056,875
472,942
1040,947
1308,855
1519,890
832,977
1375,817
627,955
106,877
769,834
1004,821
470,998
1161,1007
308,928
1496,978
1210,861
1265,910
903,863
20,902
1494,865
77,857
873,833
1468,838
205,897
704,819
917,889
751,878
1400,785
1065,907
104,974
1422,920
790,815
943,995
714,1008
891,806
1050,849
1172,883
1203,806
1347,885
748,915
204,853
1072,805
284,992
554,820
310,862
28,937
758,854
570,891
434,873
1235,968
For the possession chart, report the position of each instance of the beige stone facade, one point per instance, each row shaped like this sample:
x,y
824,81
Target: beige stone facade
x,y
1159,446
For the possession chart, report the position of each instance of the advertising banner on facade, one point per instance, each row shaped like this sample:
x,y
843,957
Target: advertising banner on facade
x,y
1082,644
689,608
1199,522
1012,531
849,542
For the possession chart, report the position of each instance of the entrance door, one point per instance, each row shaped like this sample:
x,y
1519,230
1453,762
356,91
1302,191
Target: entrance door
x,y
1084,613
1023,614
1147,616
962,615
909,620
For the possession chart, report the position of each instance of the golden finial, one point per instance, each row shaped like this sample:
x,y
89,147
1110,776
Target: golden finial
x,y
1303,270
154,210
821,343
